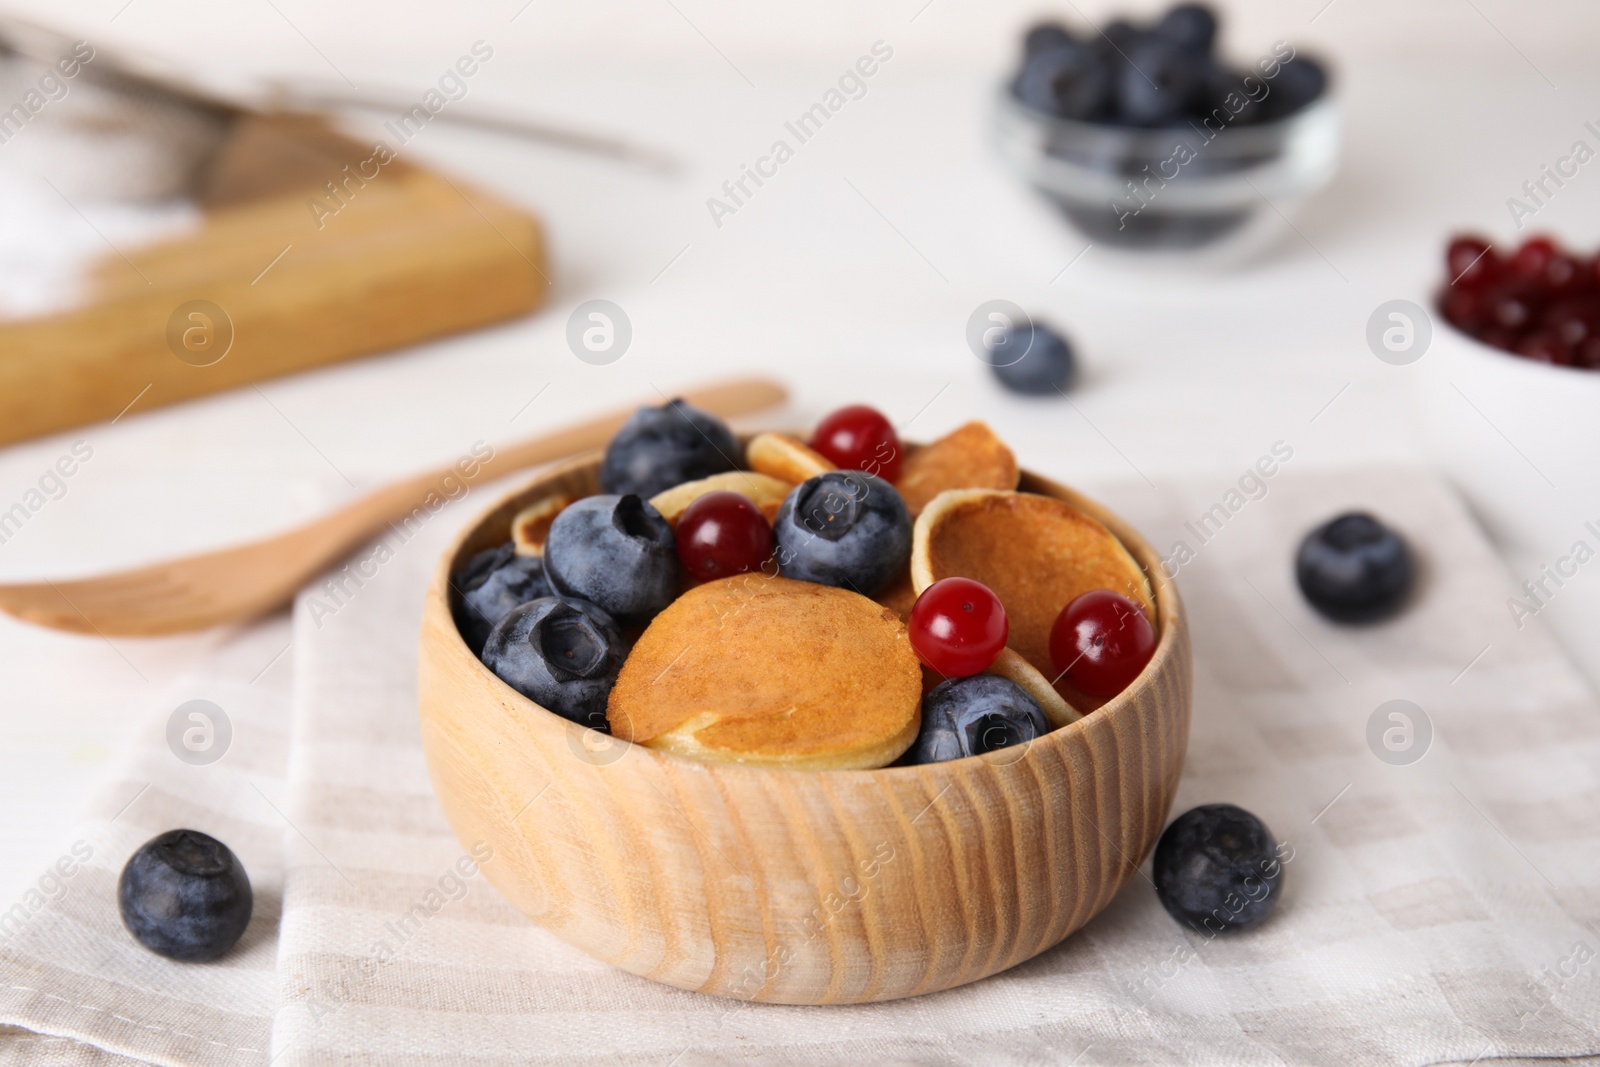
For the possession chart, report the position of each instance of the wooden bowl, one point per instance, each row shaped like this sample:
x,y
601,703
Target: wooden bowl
x,y
799,887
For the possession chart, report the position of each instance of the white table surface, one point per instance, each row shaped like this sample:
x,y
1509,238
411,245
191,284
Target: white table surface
x,y
850,276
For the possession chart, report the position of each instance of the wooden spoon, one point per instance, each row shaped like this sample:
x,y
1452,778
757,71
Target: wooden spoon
x,y
252,579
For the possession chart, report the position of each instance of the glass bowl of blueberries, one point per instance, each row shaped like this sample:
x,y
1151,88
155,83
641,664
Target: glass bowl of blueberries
x,y
1148,142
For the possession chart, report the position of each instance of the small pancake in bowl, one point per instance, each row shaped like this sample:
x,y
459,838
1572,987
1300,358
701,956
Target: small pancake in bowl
x,y
762,490
970,457
1037,553
899,596
784,456
1057,709
531,526
774,672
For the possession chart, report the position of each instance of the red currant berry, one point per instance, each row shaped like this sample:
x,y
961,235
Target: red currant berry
x,y
1570,320
1562,274
1463,308
1532,258
859,438
958,626
1543,347
1100,642
723,533
1511,308
1588,354
1495,337
1470,263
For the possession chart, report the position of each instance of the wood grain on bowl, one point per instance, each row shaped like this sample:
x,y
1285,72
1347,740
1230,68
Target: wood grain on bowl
x,y
800,887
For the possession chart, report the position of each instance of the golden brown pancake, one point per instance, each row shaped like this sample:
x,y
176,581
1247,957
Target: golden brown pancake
x,y
899,596
762,490
785,457
971,457
1037,553
770,671
531,525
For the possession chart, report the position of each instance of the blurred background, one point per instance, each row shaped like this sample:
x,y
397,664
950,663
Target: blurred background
x,y
850,274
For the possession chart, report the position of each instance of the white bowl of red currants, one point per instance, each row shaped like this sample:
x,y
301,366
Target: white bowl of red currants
x,y
1508,394
1147,142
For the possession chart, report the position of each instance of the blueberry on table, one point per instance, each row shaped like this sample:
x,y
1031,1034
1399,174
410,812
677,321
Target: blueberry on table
x,y
1066,80
1216,869
1034,360
561,653
493,582
1354,569
658,448
973,715
185,895
616,552
845,529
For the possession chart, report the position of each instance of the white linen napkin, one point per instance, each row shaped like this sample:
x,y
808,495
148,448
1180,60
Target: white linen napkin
x,y
1445,910
74,984
1438,911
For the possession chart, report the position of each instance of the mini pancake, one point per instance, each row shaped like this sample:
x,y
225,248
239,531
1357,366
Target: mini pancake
x,y
1037,553
531,525
900,596
785,457
769,671
1056,708
971,457
762,490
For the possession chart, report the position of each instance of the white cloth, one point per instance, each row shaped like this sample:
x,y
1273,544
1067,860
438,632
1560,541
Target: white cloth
x,y
1443,911
68,968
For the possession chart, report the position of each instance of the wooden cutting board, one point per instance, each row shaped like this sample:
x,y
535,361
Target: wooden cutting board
x,y
268,286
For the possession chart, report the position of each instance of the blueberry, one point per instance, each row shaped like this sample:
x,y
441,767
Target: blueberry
x,y
1066,80
1045,35
1299,82
974,715
561,653
1217,84
1159,83
616,552
1192,27
1112,48
184,895
1216,869
844,528
1035,360
658,448
493,582
1354,569
1118,37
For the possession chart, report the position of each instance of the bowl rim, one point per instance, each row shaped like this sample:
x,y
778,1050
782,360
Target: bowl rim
x,y
1488,355
1171,641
